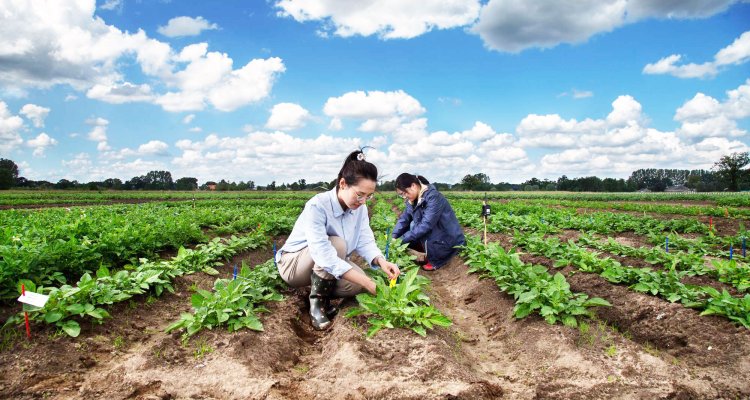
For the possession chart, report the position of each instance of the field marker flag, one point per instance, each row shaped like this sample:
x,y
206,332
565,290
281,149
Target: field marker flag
x,y
35,300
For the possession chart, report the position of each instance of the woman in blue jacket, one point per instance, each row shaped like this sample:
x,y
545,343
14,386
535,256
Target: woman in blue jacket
x,y
428,224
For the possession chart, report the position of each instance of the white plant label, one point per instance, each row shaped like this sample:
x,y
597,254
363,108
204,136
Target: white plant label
x,y
34,299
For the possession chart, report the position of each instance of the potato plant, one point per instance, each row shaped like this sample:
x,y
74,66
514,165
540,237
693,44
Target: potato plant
x,y
403,306
233,302
534,289
69,304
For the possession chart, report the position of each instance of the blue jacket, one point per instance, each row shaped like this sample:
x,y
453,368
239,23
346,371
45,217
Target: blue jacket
x,y
433,223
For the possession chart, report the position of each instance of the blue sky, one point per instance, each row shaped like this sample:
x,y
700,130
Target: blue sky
x,y
284,89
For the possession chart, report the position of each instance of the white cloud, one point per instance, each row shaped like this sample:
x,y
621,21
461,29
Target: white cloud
x,y
381,111
186,26
188,119
99,133
112,5
121,93
50,43
248,84
41,143
36,114
264,156
623,125
196,129
735,54
54,43
705,117
153,147
9,126
479,132
388,19
287,117
516,25
336,124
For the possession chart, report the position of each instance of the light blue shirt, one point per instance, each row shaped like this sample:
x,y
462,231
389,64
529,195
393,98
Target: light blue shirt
x,y
322,217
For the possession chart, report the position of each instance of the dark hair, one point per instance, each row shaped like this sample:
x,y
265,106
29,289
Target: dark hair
x,y
405,180
356,168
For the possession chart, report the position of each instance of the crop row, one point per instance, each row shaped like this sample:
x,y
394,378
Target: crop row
x,y
54,246
32,197
729,272
536,218
233,302
664,283
67,305
721,199
656,208
534,289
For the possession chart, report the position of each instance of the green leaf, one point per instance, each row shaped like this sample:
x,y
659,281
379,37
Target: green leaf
x,y
75,308
596,301
420,330
570,321
71,328
102,272
52,316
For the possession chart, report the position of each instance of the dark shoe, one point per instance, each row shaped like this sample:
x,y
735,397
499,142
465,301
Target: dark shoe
x,y
321,291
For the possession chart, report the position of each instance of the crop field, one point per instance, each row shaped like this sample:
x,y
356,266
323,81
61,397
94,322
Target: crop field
x,y
169,295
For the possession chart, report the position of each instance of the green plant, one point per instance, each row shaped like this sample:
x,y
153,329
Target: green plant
x,y
201,349
118,342
68,303
611,351
233,302
534,289
404,306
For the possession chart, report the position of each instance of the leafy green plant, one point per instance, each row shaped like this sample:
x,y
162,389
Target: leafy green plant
x,y
533,288
233,302
403,306
68,303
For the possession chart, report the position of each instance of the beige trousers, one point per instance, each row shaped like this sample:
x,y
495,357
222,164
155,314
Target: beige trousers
x,y
295,269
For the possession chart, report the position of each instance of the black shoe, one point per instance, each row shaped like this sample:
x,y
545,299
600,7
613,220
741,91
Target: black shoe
x,y
321,291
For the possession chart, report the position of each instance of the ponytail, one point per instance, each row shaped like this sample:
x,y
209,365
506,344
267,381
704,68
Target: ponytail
x,y
356,168
405,180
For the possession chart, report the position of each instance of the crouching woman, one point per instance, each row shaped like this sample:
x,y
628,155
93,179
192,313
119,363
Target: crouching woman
x,y
332,226
428,224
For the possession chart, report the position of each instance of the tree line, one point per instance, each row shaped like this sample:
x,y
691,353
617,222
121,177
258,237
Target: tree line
x,y
730,173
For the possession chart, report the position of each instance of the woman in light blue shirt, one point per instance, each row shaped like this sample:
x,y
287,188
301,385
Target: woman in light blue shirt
x,y
333,225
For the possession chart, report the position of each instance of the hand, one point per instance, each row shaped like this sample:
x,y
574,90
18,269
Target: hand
x,y
389,268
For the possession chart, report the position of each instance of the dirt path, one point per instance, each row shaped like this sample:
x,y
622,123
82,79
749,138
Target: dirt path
x,y
532,359
486,354
711,356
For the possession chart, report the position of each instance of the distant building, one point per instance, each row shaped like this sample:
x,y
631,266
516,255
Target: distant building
x,y
679,189
644,190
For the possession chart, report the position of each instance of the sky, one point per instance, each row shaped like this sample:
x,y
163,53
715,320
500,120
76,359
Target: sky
x,y
282,90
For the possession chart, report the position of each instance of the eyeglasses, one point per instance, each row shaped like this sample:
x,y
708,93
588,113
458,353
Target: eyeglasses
x,y
402,195
362,197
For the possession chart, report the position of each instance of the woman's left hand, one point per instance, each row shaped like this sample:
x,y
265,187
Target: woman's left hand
x,y
389,268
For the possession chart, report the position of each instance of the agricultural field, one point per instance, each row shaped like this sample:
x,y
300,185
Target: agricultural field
x,y
555,296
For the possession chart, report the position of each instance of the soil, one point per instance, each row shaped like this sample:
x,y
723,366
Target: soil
x,y
640,348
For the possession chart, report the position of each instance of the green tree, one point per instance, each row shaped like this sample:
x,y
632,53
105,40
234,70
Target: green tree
x,y
186,183
159,180
8,173
478,181
731,170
